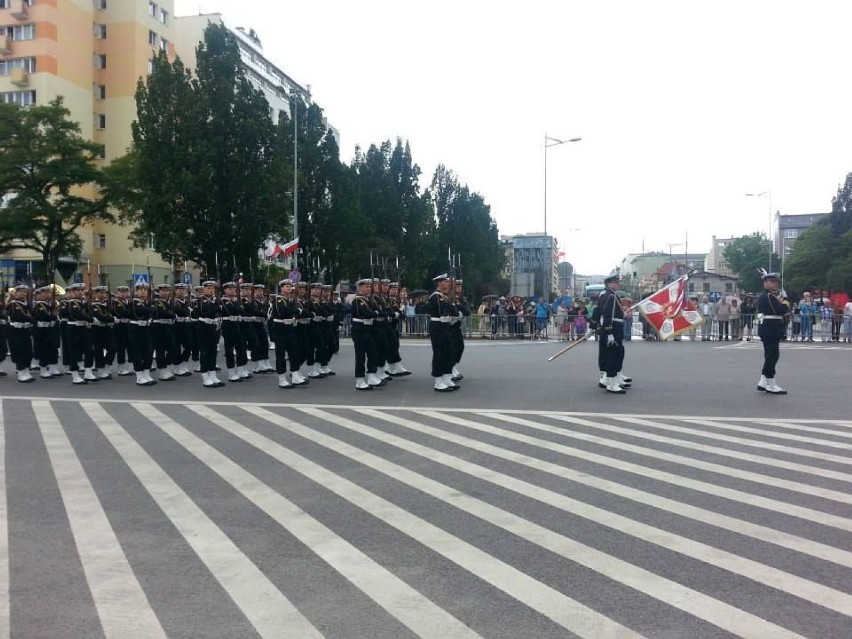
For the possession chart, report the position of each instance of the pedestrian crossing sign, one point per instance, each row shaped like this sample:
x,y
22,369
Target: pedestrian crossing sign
x,y
187,278
140,279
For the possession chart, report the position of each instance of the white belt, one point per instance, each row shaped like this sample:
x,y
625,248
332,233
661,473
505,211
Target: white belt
x,y
232,318
304,321
773,317
365,322
446,319
45,324
3,322
119,320
209,320
618,320
183,320
99,323
167,322
316,319
20,324
329,319
85,324
380,319
140,322
286,322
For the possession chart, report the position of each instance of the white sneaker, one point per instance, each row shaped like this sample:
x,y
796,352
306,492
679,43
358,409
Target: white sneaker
x,y
448,380
325,370
45,374
613,387
771,387
761,385
166,375
441,387
602,380
399,370
282,381
89,375
215,379
243,373
76,378
623,381
362,385
297,379
233,375
314,373
105,374
24,377
54,371
143,378
456,375
373,380
151,381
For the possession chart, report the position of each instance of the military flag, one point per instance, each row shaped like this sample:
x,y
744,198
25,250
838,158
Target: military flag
x,y
669,311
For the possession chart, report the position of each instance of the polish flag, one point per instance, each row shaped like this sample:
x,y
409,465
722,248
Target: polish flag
x,y
289,248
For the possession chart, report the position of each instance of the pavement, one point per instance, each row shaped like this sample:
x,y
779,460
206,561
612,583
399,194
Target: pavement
x,y
529,504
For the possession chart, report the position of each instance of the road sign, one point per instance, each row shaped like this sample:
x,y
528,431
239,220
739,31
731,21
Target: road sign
x,y
295,275
140,279
187,278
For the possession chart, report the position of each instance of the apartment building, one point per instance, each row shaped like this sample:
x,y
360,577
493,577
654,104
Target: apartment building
x,y
91,52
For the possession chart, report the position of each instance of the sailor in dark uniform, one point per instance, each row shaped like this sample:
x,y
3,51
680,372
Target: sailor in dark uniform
x,y
608,320
363,315
283,314
771,311
19,335
207,312
260,352
441,314
182,309
162,333
121,329
103,343
235,347
139,337
395,317
462,311
46,332
329,330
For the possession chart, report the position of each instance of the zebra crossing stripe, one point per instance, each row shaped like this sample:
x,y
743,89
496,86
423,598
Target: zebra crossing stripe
x,y
568,613
791,425
789,436
403,602
122,606
665,590
265,607
5,628
808,514
725,522
736,564
727,451
748,475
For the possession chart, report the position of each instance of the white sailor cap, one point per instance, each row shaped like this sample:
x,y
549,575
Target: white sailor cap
x,y
441,277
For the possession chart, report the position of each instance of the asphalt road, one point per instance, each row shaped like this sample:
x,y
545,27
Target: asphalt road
x,y
529,504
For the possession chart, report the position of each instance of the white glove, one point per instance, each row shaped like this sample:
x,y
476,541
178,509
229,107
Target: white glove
x,y
610,340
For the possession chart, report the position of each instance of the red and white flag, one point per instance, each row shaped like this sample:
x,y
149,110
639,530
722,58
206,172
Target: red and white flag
x,y
669,311
277,250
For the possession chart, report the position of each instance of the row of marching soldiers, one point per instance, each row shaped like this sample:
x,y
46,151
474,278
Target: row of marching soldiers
x,y
95,330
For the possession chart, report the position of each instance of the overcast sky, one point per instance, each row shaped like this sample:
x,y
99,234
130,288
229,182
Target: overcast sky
x,y
683,107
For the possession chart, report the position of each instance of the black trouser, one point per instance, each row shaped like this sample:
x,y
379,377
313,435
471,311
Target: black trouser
x,y
380,336
723,328
614,357
249,337
286,348
140,349
304,346
317,345
121,334
458,342
365,349
194,339
162,337
771,353
235,347
103,346
74,346
260,351
46,346
328,333
182,343
601,351
207,337
335,337
442,349
3,343
20,347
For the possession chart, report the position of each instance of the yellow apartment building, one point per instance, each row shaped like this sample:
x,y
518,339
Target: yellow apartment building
x,y
91,52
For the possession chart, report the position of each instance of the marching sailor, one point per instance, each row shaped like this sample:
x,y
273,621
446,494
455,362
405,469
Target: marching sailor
x,y
462,310
19,335
363,316
440,311
395,317
771,311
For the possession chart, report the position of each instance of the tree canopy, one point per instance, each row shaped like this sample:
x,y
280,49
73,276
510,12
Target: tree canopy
x,y
822,255
51,180
746,255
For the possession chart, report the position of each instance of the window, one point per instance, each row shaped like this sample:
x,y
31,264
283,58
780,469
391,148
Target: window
x,y
21,98
151,246
729,287
705,287
100,60
100,5
27,64
691,287
101,243
152,9
152,38
100,31
20,32
791,234
164,44
100,120
164,16
150,66
100,91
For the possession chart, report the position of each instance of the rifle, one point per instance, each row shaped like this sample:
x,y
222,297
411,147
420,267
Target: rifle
x,y
89,288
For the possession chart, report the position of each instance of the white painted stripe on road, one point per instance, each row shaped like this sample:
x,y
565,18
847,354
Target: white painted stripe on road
x,y
682,509
665,590
690,462
549,602
400,600
774,435
123,608
756,571
771,461
715,490
793,425
269,611
5,607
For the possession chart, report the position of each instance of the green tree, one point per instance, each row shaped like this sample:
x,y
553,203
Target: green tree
x,y
822,255
746,255
51,181
199,177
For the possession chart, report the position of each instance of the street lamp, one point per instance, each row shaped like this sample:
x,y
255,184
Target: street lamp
x,y
769,196
548,143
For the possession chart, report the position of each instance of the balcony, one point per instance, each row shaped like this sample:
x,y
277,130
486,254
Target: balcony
x,y
19,77
20,10
5,45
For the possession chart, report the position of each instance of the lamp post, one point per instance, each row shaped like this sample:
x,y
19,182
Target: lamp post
x,y
548,262
769,197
